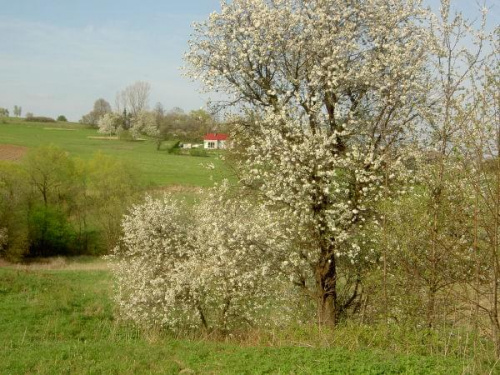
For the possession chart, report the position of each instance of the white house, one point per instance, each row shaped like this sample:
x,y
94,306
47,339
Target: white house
x,y
215,141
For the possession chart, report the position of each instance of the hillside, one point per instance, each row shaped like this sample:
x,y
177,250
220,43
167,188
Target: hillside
x,y
157,168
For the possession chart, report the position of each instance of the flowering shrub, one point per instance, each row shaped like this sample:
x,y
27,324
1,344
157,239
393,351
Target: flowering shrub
x,y
216,266
144,123
110,123
153,285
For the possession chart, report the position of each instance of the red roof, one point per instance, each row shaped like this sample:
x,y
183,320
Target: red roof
x,y
215,137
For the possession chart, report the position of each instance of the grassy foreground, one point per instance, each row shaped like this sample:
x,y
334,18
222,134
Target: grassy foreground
x,y
62,322
156,167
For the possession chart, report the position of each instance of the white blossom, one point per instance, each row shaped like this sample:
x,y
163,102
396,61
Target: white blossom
x,y
332,86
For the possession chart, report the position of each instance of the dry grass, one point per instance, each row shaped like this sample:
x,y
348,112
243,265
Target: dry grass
x,y
177,189
58,264
106,138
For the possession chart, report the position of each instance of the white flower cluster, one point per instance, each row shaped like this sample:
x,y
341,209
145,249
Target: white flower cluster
x,y
312,54
328,195
212,266
144,123
110,123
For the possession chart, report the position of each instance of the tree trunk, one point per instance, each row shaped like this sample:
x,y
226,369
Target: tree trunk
x,y
431,306
326,286
496,333
327,311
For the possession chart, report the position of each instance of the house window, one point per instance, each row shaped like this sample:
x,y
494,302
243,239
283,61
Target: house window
x,y
211,144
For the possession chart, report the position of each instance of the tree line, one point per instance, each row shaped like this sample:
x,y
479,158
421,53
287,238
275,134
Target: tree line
x,y
132,117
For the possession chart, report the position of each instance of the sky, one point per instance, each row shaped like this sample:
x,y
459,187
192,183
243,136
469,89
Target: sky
x,y
58,56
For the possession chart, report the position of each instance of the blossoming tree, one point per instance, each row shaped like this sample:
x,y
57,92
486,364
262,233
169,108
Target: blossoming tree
x,y
333,85
110,123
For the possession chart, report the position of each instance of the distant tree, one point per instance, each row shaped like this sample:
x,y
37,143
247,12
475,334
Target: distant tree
x,y
183,126
62,118
144,123
88,119
110,123
120,101
176,111
50,172
126,119
4,112
161,125
202,122
29,114
134,98
17,111
159,111
101,107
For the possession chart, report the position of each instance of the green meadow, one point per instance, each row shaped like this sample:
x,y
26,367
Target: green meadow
x,y
59,317
63,321
156,168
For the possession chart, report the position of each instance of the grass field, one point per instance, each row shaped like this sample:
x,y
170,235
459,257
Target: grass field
x,y
156,167
62,321
59,318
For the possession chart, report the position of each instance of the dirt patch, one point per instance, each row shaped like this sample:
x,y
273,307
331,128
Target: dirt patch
x,y
12,152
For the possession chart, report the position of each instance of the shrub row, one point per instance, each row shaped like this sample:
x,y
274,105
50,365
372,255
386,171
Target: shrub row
x,y
40,119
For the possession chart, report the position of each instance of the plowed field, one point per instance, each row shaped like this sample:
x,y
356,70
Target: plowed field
x,y
12,152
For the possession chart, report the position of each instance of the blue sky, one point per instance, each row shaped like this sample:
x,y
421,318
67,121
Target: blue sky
x,y
59,56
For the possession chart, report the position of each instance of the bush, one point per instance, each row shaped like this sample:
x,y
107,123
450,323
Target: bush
x,y
198,152
40,119
62,118
4,115
14,197
49,232
46,210
175,148
179,268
